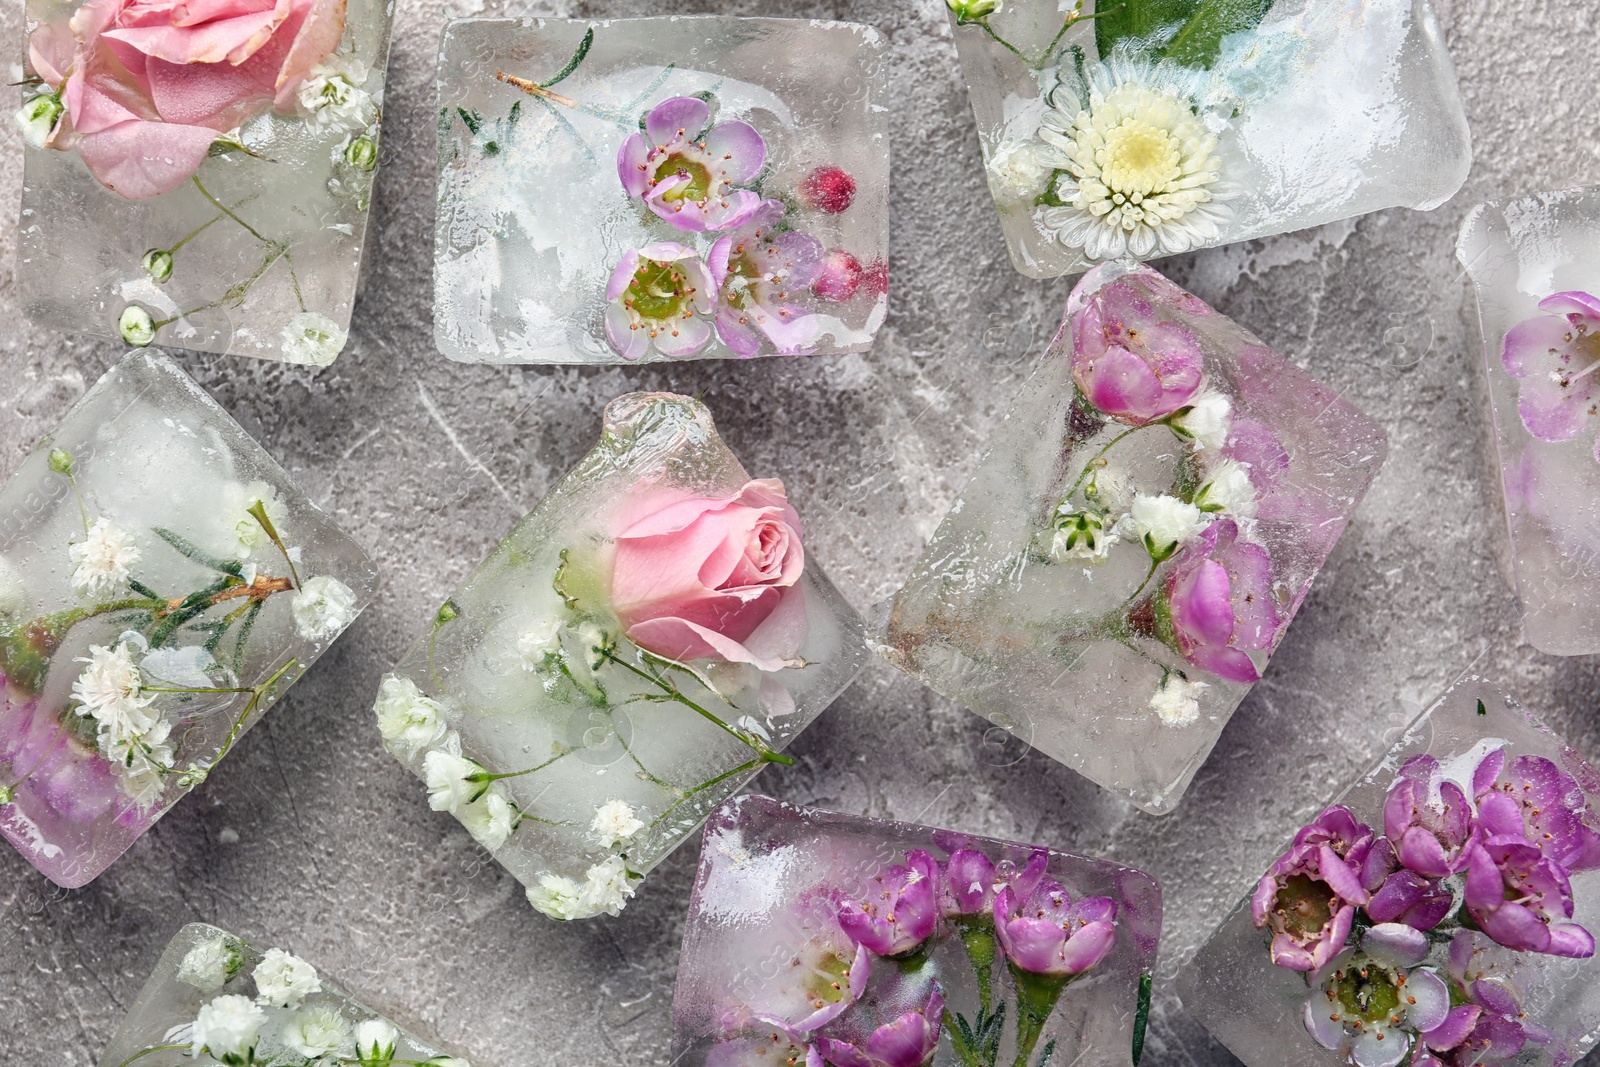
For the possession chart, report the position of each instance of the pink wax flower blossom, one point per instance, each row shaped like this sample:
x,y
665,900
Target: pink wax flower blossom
x,y
1532,798
1128,363
1046,932
1217,603
1519,897
909,1041
1554,356
686,173
900,910
715,578
1400,895
1367,1001
661,297
777,1046
758,269
148,85
1487,1023
1428,818
1309,896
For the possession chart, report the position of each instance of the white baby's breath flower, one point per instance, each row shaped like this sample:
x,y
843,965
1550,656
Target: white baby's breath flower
x,y
1228,488
615,822
596,642
103,560
1112,489
1177,700
538,643
1164,522
239,534
408,721
446,774
311,338
142,771
14,599
332,95
606,887
557,896
226,1029
1081,534
315,1031
489,819
1208,420
1017,171
210,964
375,1042
284,980
38,117
111,689
322,608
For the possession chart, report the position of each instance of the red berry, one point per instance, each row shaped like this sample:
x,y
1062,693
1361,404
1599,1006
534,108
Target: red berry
x,y
876,277
828,189
840,277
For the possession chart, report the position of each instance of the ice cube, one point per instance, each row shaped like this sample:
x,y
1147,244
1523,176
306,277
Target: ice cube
x,y
878,942
660,188
1475,836
1137,537
214,205
214,998
162,583
1535,265
1159,128
638,647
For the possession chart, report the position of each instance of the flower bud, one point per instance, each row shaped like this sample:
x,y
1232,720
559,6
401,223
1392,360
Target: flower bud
x,y
828,189
38,117
61,461
158,264
136,325
362,153
973,10
840,277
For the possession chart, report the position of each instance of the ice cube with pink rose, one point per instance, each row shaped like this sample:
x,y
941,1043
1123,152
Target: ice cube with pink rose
x,y
200,177
1137,537
660,189
1535,268
820,937
162,583
1439,912
639,646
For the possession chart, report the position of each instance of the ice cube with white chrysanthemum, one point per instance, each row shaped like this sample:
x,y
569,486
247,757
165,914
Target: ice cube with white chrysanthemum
x,y
162,583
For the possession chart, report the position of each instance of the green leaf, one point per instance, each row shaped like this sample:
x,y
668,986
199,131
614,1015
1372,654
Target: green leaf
x,y
1141,1016
1146,24
1481,709
198,554
1199,41
1189,32
572,64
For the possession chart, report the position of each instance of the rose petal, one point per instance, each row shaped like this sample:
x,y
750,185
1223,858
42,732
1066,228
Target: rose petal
x,y
145,159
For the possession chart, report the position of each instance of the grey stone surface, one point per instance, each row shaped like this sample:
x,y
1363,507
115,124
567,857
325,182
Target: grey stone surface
x,y
310,836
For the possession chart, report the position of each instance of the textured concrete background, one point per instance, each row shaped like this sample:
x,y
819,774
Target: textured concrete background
x,y
311,837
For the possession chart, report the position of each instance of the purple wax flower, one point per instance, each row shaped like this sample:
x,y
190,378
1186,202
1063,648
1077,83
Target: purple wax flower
x,y
1518,896
1534,799
1045,932
1308,897
901,908
1400,895
759,268
1554,356
1365,1003
662,296
1218,603
971,881
1487,1024
909,1041
1130,364
1428,819
686,173
779,1047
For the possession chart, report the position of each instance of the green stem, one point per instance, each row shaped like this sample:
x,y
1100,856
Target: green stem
x,y
196,232
250,706
1089,466
83,512
226,211
184,689
1049,50
294,280
259,513
703,786
485,777
671,692
233,295
145,1052
1037,995
977,936
1149,574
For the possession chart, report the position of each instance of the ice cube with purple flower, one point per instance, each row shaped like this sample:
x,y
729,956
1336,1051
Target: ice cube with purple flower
x,y
1137,538
818,937
660,189
1439,912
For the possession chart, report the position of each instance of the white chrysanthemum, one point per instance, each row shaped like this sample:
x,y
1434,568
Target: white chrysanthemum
x,y
103,560
1177,701
209,965
446,774
557,896
1143,174
1017,171
539,642
489,819
606,888
615,822
332,95
1164,522
311,338
284,980
1208,420
322,608
227,1028
14,599
239,534
376,1040
408,721
315,1031
1228,488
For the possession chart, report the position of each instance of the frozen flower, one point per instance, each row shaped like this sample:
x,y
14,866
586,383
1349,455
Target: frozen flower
x,y
322,608
1217,605
973,10
1207,421
237,534
1046,932
686,173
831,983
909,1041
1400,895
1487,1023
607,887
1309,896
311,338
284,980
136,326
332,95
1428,818
1177,700
1532,798
1129,363
1367,1002
408,721
316,1031
1082,534
968,886
539,642
839,278
828,189
101,562
1520,897
1554,356
557,896
1017,172
758,268
361,153
1163,523
661,297
447,776
615,822
375,1042
38,117
1228,489
111,689
157,263
597,642
210,965
226,1030
489,819
900,909
1142,170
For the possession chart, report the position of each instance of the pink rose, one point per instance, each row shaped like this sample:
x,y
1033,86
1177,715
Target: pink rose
x,y
149,84
715,578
